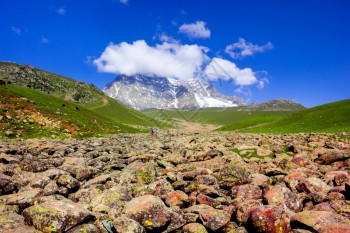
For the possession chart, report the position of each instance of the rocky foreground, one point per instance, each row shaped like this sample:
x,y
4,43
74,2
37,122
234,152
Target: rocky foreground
x,y
217,182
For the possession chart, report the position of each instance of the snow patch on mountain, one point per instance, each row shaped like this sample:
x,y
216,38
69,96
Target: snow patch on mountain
x,y
142,92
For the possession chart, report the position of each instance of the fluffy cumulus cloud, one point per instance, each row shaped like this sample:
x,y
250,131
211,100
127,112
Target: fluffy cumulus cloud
x,y
243,48
220,68
195,30
167,59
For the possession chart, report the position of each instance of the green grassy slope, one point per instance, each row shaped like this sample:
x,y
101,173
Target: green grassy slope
x,y
114,110
28,113
216,116
332,117
72,90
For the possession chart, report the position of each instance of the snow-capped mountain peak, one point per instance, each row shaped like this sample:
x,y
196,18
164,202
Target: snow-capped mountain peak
x,y
143,91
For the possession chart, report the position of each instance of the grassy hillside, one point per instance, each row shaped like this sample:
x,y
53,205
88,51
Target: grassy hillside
x,y
332,117
27,113
72,90
114,110
216,116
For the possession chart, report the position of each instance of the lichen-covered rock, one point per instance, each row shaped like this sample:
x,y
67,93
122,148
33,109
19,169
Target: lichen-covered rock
x,y
312,185
11,222
260,180
204,199
22,199
110,202
56,214
194,228
127,225
247,191
321,221
330,156
234,174
270,219
68,181
150,211
211,218
244,209
177,198
85,228
282,196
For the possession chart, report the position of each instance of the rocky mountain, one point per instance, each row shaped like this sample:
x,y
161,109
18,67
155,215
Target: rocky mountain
x,y
50,83
276,105
144,91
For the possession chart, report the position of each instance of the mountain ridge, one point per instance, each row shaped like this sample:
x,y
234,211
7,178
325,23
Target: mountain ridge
x,y
148,91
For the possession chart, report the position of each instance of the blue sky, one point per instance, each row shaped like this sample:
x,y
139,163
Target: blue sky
x,y
258,50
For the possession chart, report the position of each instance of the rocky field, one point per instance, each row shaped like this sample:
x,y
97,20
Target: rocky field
x,y
210,182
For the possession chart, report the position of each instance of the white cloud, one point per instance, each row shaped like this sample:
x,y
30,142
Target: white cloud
x,y
165,38
166,59
124,1
44,40
195,30
243,48
61,11
16,30
220,68
262,82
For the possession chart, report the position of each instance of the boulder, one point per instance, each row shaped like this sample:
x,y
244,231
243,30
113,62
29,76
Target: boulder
x,y
244,209
321,221
11,222
282,196
149,211
247,191
194,228
56,214
270,219
22,199
127,225
211,218
177,198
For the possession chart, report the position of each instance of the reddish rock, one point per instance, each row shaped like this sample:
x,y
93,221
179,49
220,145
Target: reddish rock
x,y
312,185
4,180
282,196
270,219
300,160
247,191
203,199
321,220
341,207
244,209
331,156
194,228
292,179
177,198
149,211
338,177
